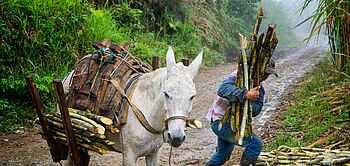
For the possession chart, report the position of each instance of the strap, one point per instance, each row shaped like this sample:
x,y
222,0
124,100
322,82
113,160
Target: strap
x,y
129,90
137,112
172,118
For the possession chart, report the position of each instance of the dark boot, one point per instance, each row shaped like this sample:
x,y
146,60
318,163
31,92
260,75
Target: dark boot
x,y
247,160
211,164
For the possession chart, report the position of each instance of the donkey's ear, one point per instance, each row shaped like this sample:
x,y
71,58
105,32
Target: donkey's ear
x,y
194,67
170,60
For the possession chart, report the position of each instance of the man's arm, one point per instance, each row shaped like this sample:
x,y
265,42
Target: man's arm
x,y
259,103
229,91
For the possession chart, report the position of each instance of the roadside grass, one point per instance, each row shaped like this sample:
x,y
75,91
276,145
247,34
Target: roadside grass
x,y
319,107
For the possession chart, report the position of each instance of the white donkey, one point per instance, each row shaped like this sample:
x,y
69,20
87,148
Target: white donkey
x,y
162,95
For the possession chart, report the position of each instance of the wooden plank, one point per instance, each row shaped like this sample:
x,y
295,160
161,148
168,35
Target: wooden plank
x,y
125,45
185,61
58,151
96,45
118,49
114,48
155,62
106,43
67,122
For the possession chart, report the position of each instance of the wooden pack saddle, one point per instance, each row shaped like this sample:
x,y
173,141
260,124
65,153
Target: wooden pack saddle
x,y
90,87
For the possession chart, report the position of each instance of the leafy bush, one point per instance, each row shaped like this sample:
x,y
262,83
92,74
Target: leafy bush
x,y
45,38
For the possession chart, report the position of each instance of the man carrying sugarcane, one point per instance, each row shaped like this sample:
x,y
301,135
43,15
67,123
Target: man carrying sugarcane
x,y
228,93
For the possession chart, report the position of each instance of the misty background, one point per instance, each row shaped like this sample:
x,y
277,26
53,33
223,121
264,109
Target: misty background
x,y
287,15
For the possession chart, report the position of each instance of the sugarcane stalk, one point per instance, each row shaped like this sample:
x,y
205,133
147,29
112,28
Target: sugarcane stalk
x,y
107,142
339,161
237,117
59,127
235,111
320,150
85,122
241,105
76,123
89,152
232,122
261,163
314,161
303,155
274,42
102,146
103,120
84,145
59,124
253,39
257,24
86,125
266,47
265,159
253,56
309,154
76,135
100,128
226,116
246,85
258,60
297,157
276,161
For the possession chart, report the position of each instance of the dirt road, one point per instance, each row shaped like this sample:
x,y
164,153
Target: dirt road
x,y
30,149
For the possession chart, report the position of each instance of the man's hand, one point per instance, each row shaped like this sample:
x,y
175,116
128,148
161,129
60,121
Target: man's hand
x,y
253,94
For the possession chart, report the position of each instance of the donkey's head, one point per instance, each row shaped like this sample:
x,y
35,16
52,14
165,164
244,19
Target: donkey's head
x,y
179,92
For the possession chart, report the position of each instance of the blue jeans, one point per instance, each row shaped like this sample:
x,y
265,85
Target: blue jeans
x,y
253,145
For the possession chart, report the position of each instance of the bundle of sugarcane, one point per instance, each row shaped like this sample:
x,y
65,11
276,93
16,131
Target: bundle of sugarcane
x,y
88,128
251,67
303,156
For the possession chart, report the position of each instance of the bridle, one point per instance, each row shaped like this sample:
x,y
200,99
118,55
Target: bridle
x,y
173,118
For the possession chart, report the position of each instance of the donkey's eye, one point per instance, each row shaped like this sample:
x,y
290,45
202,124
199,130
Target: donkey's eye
x,y
166,95
192,97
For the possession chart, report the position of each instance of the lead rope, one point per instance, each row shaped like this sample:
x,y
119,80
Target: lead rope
x,y
171,149
166,141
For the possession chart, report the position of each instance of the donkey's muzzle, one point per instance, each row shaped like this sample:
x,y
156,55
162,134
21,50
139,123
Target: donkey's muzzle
x,y
176,140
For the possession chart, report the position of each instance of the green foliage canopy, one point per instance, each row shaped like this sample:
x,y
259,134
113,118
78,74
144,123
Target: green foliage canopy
x,y
45,38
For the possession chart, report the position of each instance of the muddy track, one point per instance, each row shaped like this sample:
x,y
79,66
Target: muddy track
x,y
30,149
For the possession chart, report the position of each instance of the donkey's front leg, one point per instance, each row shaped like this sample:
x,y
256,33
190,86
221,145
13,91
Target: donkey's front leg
x,y
152,159
129,158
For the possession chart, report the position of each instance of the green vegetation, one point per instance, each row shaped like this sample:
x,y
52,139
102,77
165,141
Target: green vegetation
x,y
44,38
335,17
321,106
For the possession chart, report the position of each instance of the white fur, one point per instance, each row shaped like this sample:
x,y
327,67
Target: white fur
x,y
149,96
